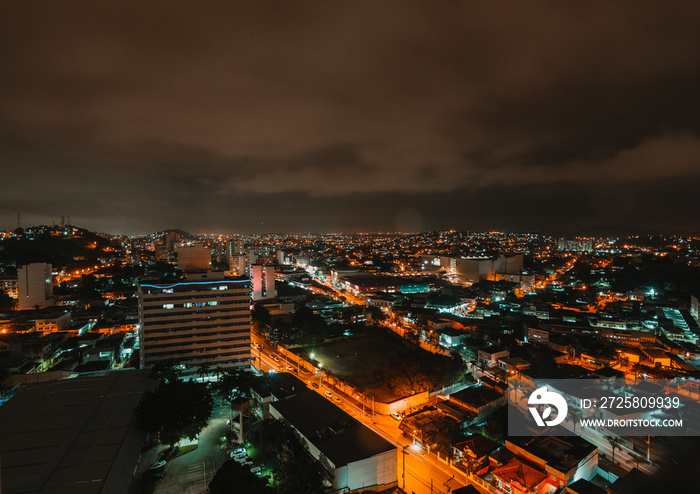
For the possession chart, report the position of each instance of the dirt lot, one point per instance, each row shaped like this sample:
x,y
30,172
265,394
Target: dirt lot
x,y
359,360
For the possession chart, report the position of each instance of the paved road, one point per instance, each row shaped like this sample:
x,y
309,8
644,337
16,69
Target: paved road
x,y
192,472
419,473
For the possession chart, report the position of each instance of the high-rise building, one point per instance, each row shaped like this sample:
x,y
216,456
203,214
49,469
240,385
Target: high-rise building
x,y
263,278
169,239
235,246
193,257
34,286
196,323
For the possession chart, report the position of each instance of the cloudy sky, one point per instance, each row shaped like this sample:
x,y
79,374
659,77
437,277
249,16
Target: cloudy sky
x,y
559,117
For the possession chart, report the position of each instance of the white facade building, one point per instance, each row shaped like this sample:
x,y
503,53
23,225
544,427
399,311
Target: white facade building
x,y
34,286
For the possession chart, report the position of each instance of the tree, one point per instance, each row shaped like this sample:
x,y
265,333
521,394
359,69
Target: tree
x,y
575,417
294,468
234,477
310,327
165,372
614,443
6,302
175,409
233,384
203,371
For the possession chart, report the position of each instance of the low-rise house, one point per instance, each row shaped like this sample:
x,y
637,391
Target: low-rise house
x,y
520,477
563,458
273,387
452,338
479,400
490,355
472,454
511,365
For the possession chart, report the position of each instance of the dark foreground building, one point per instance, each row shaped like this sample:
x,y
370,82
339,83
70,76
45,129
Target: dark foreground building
x,y
72,435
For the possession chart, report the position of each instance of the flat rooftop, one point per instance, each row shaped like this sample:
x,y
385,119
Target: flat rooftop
x,y
341,438
72,435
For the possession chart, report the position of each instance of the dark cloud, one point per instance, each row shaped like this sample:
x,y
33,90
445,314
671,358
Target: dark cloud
x,y
309,115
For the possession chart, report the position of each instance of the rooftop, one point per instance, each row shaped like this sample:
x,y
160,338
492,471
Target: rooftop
x,y
336,434
72,435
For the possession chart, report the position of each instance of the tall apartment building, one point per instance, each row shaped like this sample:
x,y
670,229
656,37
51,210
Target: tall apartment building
x,y
235,247
34,286
193,257
263,278
196,323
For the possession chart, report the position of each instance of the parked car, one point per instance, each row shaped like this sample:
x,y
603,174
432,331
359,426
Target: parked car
x,y
158,465
315,385
328,394
396,416
335,399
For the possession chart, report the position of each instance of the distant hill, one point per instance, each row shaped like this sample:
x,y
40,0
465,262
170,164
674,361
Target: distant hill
x,y
59,246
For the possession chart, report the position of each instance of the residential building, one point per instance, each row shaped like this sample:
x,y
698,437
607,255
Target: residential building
x,y
490,355
195,323
564,459
193,257
52,322
34,286
263,277
472,454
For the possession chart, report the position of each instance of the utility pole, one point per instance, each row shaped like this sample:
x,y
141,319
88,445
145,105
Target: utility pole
x,y
403,464
648,446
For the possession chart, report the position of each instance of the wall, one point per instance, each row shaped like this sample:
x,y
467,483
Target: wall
x,y
377,470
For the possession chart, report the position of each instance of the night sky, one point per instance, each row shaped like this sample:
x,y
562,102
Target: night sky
x,y
251,117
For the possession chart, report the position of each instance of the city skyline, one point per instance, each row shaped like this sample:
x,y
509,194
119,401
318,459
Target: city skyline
x,y
137,117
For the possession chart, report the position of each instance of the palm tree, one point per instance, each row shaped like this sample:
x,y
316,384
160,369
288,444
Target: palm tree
x,y
218,372
614,443
575,417
203,370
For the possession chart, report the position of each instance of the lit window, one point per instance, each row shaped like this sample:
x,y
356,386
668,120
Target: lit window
x,y
168,306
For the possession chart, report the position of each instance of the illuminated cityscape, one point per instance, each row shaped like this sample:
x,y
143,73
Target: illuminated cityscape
x,y
405,342
342,248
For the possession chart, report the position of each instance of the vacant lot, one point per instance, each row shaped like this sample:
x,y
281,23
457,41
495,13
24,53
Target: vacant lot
x,y
360,361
